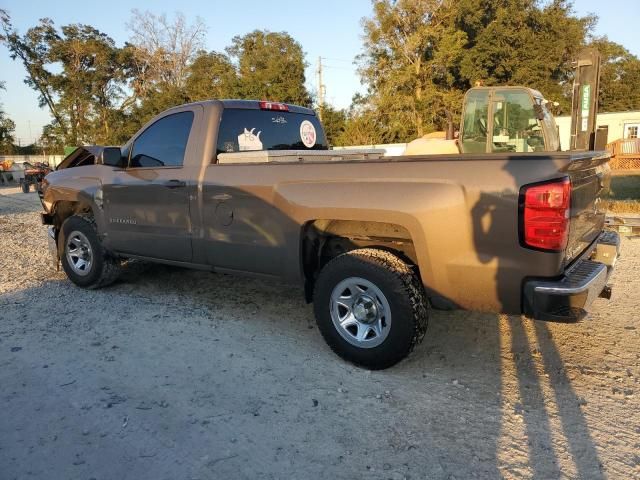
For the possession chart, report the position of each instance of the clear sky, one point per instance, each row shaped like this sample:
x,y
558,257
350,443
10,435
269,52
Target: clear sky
x,y
328,28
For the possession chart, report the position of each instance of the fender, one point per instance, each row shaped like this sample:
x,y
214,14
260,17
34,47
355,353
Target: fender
x,y
423,209
81,186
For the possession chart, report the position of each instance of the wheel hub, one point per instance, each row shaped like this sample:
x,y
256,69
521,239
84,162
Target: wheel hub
x,y
365,309
78,252
360,312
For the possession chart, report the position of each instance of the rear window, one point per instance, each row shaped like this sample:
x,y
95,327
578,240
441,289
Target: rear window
x,y
250,129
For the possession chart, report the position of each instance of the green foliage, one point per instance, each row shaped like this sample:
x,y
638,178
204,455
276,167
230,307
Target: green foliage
x,y
420,56
619,77
625,187
334,122
77,73
212,75
410,63
270,67
7,127
99,93
525,44
363,125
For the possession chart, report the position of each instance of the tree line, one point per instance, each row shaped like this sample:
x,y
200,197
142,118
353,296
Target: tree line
x,y
418,58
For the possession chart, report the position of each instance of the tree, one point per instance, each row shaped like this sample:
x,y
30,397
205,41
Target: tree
x,y
619,77
521,43
270,67
211,75
420,56
409,64
160,57
78,74
163,50
7,127
333,121
362,124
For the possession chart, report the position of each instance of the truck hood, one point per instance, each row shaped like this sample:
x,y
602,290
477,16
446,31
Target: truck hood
x,y
81,156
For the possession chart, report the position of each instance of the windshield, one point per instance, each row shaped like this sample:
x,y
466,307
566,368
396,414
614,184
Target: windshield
x,y
516,127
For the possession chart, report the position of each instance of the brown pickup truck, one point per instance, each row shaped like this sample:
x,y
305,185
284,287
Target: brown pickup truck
x,y
251,187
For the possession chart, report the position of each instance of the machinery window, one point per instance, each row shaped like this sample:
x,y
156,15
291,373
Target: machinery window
x,y
163,143
515,125
475,122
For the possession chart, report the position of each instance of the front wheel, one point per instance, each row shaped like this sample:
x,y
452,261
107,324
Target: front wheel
x,y
370,307
83,257
25,187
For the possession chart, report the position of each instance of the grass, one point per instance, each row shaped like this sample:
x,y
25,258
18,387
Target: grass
x,y
624,194
624,206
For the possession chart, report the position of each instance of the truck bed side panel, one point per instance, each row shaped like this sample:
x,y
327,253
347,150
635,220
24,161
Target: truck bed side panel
x,y
462,214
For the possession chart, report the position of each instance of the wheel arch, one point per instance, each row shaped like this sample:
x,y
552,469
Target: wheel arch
x,y
321,240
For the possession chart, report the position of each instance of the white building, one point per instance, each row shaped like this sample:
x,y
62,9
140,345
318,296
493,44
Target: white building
x,y
620,124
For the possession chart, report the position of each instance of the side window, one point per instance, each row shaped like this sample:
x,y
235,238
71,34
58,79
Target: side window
x,y
163,144
475,122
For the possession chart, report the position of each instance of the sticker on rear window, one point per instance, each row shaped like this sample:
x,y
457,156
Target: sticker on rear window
x,y
249,141
308,134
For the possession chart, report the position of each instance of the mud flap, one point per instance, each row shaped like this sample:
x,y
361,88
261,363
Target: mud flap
x,y
53,248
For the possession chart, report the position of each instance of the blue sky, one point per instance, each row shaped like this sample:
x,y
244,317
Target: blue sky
x,y
328,28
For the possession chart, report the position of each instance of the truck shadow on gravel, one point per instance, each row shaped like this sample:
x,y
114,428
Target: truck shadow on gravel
x,y
527,350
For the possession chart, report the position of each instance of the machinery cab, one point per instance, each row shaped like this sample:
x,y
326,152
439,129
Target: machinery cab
x,y
507,119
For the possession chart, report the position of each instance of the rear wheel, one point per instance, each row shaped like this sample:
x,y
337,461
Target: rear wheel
x,y
83,258
370,307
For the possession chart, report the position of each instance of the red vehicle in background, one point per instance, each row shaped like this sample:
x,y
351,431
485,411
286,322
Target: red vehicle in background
x,y
34,173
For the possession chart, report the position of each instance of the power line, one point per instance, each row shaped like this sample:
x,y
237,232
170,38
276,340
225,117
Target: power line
x,y
351,69
338,59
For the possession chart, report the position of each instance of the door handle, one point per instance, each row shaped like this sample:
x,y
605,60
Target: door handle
x,y
175,183
221,197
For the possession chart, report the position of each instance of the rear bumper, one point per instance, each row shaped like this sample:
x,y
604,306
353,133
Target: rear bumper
x,y
568,298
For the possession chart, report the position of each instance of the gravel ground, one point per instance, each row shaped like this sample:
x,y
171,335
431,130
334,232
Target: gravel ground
x,y
181,374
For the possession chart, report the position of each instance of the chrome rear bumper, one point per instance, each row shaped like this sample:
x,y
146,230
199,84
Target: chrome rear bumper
x,y
568,298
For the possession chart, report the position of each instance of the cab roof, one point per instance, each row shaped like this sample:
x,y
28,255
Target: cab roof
x,y
251,105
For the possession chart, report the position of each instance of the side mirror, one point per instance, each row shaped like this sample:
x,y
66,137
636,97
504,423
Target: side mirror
x,y
112,156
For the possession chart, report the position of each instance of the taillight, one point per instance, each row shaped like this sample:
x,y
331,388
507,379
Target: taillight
x,y
545,215
281,107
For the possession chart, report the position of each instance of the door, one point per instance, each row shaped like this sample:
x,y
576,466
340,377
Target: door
x,y
147,203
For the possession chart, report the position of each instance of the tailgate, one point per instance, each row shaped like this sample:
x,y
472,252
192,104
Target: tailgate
x,y
590,179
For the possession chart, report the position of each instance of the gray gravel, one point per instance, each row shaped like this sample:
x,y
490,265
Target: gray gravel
x,y
181,374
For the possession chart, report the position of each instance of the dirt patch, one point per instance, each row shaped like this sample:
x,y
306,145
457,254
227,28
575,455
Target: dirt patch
x,y
172,373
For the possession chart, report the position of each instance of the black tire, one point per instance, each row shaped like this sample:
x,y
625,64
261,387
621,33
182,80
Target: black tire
x,y
25,187
104,268
404,294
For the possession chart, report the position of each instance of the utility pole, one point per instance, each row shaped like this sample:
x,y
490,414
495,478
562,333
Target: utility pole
x,y
321,89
